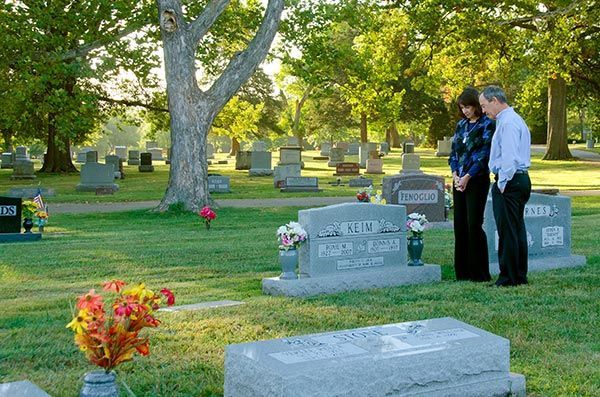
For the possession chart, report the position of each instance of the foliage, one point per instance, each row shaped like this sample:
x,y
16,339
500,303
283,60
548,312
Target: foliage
x,y
28,209
111,337
291,235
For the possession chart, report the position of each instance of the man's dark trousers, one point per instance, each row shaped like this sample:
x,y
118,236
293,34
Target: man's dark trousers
x,y
509,208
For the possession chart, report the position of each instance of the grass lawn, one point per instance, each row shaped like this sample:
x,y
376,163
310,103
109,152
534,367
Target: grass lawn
x,y
565,175
552,323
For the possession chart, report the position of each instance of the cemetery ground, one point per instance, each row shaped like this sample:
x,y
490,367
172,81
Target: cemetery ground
x,y
552,324
564,175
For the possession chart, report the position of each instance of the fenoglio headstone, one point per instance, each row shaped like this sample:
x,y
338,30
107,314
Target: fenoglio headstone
x,y
438,357
281,172
134,157
243,160
7,160
219,184
336,156
146,162
548,224
422,193
352,246
301,184
95,175
260,164
444,147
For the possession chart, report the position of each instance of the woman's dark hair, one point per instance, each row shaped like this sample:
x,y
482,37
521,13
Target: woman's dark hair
x,y
469,97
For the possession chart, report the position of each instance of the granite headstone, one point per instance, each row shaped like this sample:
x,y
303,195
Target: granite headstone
x,y
146,162
347,169
95,175
219,184
243,160
421,193
336,156
375,166
121,151
260,164
364,152
325,148
134,157
283,171
444,147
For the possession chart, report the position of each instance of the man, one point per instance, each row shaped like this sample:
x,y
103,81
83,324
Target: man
x,y
509,160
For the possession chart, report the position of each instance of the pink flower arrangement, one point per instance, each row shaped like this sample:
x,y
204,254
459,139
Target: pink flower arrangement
x,y
291,235
208,214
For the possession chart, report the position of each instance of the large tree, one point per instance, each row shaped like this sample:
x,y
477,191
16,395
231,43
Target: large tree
x,y
193,110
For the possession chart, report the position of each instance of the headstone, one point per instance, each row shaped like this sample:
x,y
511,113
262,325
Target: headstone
x,y
347,169
360,182
301,184
151,145
134,157
422,193
210,151
243,160
408,147
22,388
91,156
438,357
444,147
364,150
115,162
10,215
281,172
23,167
146,162
325,148
293,141
354,148
375,166
259,146
336,156
548,224
343,145
384,148
121,151
352,246
157,154
290,155
7,160
411,163
589,143
81,157
219,184
260,164
96,175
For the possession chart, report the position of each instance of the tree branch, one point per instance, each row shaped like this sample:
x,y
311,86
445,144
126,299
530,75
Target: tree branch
x,y
87,48
243,64
202,24
542,15
133,103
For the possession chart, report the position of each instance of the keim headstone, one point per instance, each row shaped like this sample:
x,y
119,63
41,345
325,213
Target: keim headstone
x,y
290,155
121,151
352,246
260,164
259,146
22,166
548,224
157,154
411,163
353,148
384,148
210,151
444,147
421,193
95,175
146,162
439,357
115,161
243,160
280,172
347,169
364,151
219,184
301,184
375,166
7,160
134,157
325,148
336,156
360,182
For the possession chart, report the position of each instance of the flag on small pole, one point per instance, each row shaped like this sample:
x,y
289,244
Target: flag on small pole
x,y
38,200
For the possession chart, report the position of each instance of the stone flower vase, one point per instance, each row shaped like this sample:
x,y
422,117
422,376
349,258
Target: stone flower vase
x,y
288,261
415,250
100,384
27,224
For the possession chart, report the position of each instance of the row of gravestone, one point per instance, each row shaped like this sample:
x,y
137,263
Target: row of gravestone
x,y
20,163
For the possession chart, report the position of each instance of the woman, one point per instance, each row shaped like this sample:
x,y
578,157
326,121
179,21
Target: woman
x,y
469,163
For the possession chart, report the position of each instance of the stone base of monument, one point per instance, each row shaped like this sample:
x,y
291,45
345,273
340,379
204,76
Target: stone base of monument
x,y
133,162
18,177
433,358
352,281
19,237
92,187
146,168
321,158
542,264
260,172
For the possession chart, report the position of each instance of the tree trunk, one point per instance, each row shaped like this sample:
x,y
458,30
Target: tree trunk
x,y
297,114
7,137
58,151
363,128
556,145
395,140
235,147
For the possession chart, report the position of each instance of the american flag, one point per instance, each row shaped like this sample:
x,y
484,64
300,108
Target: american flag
x,y
38,200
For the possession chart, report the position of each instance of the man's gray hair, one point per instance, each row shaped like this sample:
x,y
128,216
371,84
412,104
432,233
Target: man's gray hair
x,y
493,91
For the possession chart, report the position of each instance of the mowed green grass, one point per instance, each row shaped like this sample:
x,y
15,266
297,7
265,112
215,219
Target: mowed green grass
x,y
565,175
552,323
